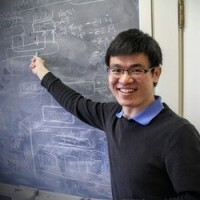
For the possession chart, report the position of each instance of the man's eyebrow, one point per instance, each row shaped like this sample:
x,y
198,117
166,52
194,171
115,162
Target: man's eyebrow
x,y
116,65
130,66
136,65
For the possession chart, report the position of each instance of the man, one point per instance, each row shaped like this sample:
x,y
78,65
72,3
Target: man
x,y
154,153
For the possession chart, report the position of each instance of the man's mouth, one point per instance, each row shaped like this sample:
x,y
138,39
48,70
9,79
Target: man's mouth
x,y
126,90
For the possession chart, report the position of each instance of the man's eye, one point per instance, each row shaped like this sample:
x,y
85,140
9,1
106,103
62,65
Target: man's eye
x,y
137,70
116,70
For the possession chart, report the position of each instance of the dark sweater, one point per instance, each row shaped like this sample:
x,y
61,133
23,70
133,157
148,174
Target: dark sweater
x,y
160,160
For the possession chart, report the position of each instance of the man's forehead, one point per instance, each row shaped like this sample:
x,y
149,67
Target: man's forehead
x,y
129,60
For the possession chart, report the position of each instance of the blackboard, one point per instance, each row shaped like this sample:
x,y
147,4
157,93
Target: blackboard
x,y
42,146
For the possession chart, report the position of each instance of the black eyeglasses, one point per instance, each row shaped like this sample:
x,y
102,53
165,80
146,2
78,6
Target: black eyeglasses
x,y
132,71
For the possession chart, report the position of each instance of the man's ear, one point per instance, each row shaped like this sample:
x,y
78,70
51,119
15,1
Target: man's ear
x,y
156,75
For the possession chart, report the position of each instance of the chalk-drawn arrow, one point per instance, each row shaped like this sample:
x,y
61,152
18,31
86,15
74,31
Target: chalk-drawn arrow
x,y
36,41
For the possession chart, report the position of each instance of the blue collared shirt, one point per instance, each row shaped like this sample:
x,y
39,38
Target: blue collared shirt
x,y
145,116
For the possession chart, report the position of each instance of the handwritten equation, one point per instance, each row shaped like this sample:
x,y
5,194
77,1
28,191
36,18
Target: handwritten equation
x,y
44,27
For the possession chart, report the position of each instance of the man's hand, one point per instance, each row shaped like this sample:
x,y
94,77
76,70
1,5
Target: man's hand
x,y
38,67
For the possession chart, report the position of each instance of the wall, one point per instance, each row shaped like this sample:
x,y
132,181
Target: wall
x,y
179,83
165,31
191,62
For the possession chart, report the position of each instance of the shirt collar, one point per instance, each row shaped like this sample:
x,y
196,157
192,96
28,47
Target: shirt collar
x,y
145,116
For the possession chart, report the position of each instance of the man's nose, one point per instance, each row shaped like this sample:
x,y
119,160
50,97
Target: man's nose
x,y
126,77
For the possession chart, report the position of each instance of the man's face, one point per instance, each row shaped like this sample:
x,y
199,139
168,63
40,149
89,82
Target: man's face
x,y
132,91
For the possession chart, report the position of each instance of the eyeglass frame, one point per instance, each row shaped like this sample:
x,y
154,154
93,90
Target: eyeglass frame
x,y
143,70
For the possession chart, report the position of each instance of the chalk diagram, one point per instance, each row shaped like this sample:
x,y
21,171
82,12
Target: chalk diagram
x,y
71,153
44,41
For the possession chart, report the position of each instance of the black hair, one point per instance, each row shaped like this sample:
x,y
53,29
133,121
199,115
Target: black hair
x,y
134,41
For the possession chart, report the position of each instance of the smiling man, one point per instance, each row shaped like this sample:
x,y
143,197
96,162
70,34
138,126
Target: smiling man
x,y
154,153
131,81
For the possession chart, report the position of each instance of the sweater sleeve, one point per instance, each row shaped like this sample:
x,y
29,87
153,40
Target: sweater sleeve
x,y
92,113
182,158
